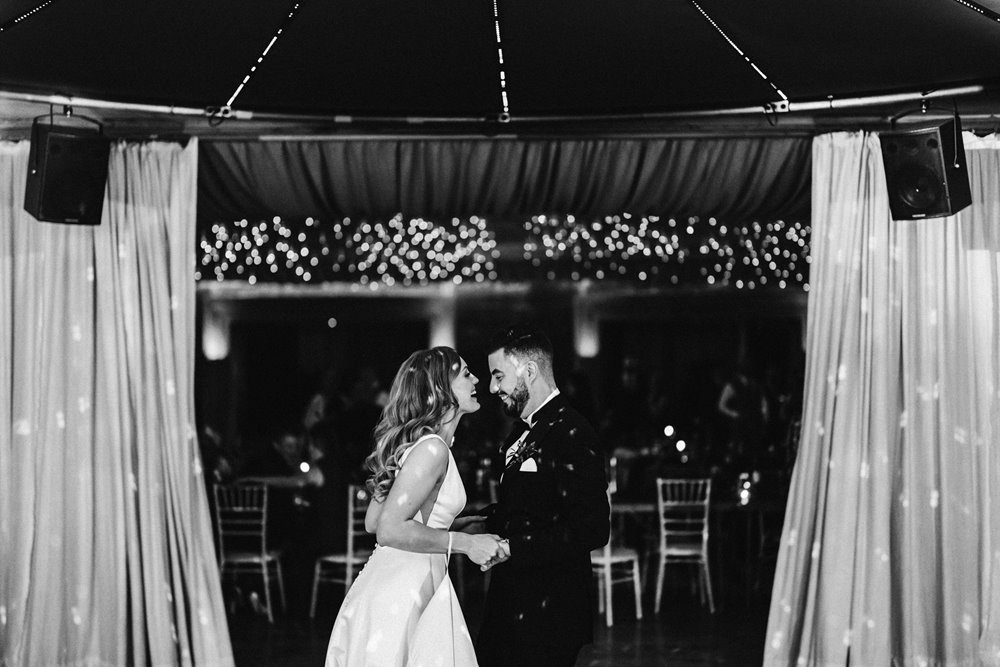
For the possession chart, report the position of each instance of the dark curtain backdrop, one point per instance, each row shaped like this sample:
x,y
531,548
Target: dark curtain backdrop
x,y
505,179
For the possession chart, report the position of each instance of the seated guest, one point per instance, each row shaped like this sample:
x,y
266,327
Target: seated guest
x,y
354,425
284,466
279,466
328,479
323,528
215,464
282,456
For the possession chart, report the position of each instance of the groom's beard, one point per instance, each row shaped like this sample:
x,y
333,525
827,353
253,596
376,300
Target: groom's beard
x,y
515,401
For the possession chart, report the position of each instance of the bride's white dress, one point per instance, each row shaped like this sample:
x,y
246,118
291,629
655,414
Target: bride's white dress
x,y
402,609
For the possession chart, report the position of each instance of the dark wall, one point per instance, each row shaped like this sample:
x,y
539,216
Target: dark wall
x,y
683,346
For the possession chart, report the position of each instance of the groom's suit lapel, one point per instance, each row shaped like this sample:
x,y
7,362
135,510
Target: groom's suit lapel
x,y
515,433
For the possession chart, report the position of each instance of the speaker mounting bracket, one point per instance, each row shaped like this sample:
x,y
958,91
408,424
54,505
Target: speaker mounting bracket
x,y
68,113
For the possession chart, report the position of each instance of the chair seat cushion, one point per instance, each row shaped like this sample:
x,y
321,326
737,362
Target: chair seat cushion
x,y
618,555
343,558
682,551
250,556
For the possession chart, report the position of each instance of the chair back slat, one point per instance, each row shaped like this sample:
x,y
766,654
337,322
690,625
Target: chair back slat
x,y
241,517
683,506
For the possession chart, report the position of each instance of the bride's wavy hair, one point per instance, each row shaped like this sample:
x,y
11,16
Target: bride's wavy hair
x,y
420,400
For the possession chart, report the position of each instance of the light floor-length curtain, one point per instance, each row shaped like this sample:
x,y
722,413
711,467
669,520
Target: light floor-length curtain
x,y
890,553
105,538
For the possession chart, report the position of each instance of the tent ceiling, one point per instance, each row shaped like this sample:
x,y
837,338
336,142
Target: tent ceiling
x,y
386,64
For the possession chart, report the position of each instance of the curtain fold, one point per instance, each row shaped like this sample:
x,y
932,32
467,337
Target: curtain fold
x,y
505,179
104,527
888,553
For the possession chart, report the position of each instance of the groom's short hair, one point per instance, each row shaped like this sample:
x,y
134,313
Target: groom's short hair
x,y
526,344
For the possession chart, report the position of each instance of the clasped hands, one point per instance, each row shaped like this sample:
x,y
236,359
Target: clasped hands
x,y
485,549
503,554
488,550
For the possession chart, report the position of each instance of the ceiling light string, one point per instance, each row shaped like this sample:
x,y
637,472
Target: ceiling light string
x,y
10,24
284,24
993,16
784,98
504,116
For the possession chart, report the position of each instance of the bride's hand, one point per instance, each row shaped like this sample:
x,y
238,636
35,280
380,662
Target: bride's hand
x,y
482,549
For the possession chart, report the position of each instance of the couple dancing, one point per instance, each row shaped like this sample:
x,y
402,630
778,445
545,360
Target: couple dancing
x,y
552,511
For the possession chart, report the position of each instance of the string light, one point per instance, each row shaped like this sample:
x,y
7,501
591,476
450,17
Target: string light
x,y
738,50
653,251
260,59
648,250
22,17
982,10
504,104
395,251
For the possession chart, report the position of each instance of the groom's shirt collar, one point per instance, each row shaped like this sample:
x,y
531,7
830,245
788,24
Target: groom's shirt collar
x,y
530,419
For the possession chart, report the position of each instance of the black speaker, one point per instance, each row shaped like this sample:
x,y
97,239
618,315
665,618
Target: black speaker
x,y
67,171
925,171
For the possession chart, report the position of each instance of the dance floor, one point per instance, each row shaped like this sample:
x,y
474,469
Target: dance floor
x,y
684,633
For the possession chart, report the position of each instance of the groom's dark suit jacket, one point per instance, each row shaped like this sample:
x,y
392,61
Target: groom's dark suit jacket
x,y
553,518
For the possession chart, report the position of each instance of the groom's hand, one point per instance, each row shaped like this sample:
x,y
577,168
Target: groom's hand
x,y
505,548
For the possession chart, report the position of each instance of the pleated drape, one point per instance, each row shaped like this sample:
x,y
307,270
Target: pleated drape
x,y
889,549
105,536
505,179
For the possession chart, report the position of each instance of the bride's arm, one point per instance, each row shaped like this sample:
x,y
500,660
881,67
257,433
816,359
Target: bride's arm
x,y
371,516
397,526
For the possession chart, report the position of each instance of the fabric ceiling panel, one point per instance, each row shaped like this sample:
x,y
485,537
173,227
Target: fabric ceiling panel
x,y
853,47
735,179
182,52
600,56
377,57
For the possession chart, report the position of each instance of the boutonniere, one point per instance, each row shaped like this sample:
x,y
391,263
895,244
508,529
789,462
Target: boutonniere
x,y
527,451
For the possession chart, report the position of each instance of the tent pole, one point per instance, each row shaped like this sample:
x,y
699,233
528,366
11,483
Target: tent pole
x,y
779,107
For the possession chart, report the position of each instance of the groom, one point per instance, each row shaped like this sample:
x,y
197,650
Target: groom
x,y
552,508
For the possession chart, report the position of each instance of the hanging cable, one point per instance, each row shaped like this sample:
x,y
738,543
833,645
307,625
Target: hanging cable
x,y
224,112
955,127
784,98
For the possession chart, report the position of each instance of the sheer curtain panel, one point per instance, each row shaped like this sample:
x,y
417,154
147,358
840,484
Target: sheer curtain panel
x,y
890,552
105,537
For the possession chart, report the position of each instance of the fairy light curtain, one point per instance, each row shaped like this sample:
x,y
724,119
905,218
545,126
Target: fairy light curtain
x,y
890,552
105,536
736,179
649,250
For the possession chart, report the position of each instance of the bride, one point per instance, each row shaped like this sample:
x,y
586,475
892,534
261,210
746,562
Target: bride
x,y
402,610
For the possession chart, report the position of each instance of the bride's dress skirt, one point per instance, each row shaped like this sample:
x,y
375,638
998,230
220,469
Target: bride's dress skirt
x,y
402,609
388,620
